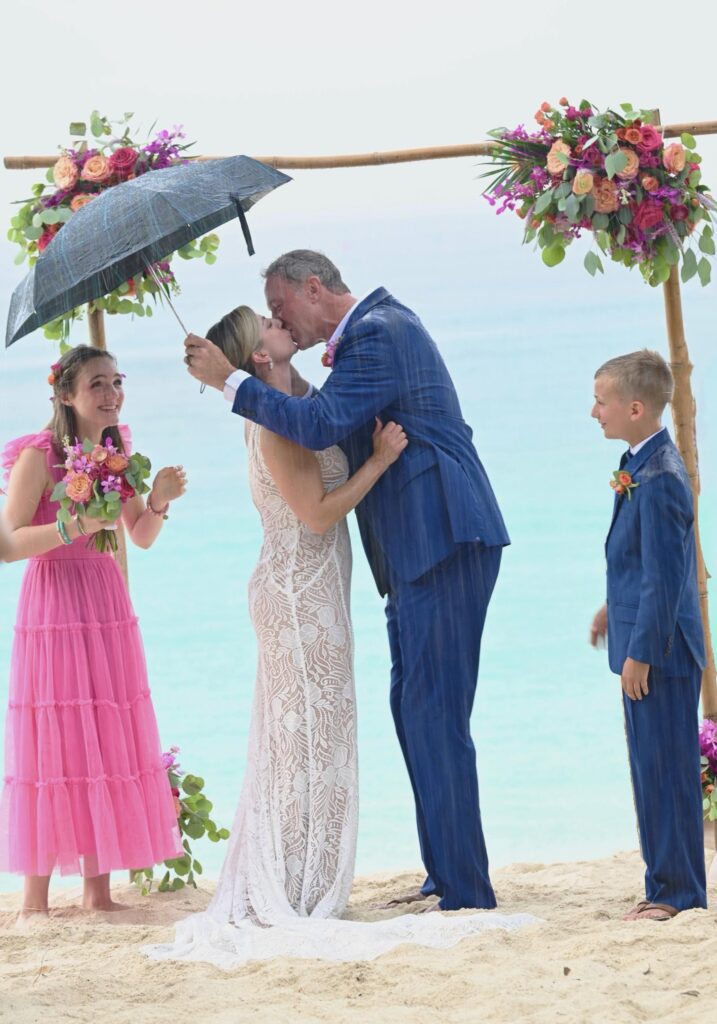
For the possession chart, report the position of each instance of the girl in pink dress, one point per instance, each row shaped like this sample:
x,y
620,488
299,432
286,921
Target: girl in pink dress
x,y
85,790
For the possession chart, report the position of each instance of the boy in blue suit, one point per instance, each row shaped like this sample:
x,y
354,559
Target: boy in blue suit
x,y
654,629
431,529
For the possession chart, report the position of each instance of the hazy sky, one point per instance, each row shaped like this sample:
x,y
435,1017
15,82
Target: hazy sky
x,y
315,78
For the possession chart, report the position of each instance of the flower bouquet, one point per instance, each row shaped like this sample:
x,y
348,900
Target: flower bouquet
x,y
613,175
708,760
98,480
101,158
193,810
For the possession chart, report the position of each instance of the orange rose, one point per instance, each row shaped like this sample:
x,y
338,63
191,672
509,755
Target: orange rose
x,y
604,193
117,463
99,454
582,183
554,164
563,101
649,183
631,168
64,173
633,135
548,125
545,106
674,158
96,169
79,488
539,116
77,202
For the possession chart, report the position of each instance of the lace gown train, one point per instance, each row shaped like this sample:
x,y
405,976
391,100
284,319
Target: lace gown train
x,y
289,867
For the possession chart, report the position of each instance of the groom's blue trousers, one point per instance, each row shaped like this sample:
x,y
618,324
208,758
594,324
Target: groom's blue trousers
x,y
663,743
435,626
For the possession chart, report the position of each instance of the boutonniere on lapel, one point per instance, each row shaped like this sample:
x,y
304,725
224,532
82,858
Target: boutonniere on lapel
x,y
622,483
328,357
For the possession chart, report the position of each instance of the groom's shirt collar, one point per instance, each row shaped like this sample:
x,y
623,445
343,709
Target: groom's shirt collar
x,y
637,447
341,327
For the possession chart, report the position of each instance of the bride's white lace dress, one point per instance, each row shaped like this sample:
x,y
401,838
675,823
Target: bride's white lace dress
x,y
288,870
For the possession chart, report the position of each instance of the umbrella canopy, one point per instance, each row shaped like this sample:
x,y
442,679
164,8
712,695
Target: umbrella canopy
x,y
133,225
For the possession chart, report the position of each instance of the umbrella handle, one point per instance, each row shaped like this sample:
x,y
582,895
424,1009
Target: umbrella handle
x,y
164,295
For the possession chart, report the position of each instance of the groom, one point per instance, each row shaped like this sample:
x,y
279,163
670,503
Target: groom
x,y
431,529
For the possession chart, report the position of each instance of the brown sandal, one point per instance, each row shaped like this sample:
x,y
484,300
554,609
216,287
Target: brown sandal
x,y
657,912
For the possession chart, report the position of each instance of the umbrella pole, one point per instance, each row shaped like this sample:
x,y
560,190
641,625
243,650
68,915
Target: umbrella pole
x,y
683,416
96,324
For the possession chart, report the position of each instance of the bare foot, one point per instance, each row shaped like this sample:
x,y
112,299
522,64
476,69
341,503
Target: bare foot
x,y
435,907
28,915
413,896
104,905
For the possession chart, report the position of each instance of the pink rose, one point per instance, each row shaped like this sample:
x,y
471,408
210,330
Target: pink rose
x,y
65,173
648,215
554,164
47,235
96,169
127,491
582,183
79,488
122,162
649,183
605,195
77,202
674,158
631,168
650,138
98,454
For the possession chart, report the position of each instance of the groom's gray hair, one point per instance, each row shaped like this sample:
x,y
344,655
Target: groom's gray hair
x,y
642,375
300,264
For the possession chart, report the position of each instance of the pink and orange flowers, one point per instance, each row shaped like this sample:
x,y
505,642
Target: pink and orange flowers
x,y
98,480
622,483
99,159
611,174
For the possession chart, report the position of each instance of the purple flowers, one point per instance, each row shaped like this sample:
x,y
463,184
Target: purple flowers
x,y
111,483
708,743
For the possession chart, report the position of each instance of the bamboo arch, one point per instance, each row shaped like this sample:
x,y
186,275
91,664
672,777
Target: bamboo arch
x,y
683,405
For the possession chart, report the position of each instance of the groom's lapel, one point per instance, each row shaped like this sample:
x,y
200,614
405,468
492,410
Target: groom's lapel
x,y
367,304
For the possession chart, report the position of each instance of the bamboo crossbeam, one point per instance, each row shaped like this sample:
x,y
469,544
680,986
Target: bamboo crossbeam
x,y
393,156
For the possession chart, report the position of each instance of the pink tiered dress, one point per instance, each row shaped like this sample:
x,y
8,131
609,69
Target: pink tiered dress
x,y
85,790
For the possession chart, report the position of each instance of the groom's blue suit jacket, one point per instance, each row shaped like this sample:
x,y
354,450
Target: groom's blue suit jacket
x,y
437,495
653,604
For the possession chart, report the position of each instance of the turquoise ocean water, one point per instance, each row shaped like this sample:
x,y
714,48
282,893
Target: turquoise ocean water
x,y
522,344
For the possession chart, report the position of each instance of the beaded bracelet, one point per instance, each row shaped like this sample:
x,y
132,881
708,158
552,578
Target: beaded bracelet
x,y
62,530
155,511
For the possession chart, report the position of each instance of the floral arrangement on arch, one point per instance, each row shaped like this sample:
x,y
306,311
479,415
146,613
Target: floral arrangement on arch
x,y
708,759
611,174
83,171
192,809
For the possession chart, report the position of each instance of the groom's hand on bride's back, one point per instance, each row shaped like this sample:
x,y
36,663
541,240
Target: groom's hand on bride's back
x,y
206,361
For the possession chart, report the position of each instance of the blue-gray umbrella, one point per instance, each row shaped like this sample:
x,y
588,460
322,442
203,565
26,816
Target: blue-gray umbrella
x,y
128,228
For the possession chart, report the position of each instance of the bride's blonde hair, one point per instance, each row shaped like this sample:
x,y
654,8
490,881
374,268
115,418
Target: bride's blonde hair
x,y
238,336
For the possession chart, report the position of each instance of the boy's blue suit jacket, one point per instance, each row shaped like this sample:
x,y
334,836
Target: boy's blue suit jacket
x,y
437,495
652,599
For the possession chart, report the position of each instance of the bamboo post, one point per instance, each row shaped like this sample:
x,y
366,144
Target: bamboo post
x,y
96,324
684,419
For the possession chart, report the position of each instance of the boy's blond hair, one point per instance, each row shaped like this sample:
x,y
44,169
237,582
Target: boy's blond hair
x,y
643,376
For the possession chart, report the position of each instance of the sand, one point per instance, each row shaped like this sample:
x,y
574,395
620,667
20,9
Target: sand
x,y
583,964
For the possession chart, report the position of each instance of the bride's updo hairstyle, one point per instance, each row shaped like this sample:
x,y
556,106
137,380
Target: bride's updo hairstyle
x,y
238,336
63,381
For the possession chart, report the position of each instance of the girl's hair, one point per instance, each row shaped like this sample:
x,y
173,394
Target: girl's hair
x,y
238,336
63,381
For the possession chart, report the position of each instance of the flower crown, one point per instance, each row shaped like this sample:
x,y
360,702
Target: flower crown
x,y
55,374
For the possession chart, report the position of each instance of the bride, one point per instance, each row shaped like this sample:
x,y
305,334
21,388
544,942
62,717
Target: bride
x,y
291,854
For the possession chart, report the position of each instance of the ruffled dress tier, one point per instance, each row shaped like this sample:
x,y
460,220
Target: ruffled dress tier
x,y
85,790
